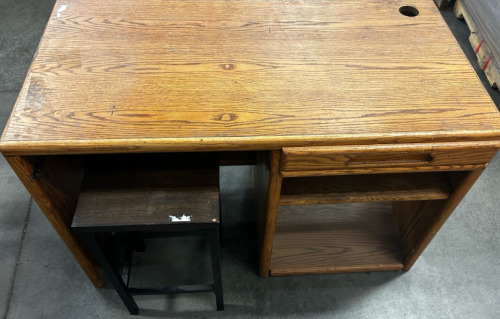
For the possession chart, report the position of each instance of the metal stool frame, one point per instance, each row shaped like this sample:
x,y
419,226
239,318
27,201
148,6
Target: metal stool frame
x,y
126,293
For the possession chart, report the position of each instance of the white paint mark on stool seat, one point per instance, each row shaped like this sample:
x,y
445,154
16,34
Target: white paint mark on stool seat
x,y
183,218
61,9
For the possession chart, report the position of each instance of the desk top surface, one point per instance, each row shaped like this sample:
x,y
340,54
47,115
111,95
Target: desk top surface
x,y
160,75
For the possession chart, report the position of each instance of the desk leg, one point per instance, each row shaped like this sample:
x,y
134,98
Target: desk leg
x,y
267,192
56,190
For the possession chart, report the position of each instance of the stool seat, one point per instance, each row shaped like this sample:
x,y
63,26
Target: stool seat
x,y
147,200
151,200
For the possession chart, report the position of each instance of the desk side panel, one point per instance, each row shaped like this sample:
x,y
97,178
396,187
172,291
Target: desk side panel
x,y
55,190
419,221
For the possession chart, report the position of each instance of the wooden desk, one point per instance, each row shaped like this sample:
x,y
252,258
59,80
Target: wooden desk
x,y
329,87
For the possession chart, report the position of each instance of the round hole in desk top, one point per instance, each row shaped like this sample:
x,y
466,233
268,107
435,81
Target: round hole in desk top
x,y
409,11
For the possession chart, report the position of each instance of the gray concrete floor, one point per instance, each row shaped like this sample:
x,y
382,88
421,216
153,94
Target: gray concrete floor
x,y
458,276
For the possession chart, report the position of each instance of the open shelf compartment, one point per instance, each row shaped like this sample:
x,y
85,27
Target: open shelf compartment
x,y
336,238
365,188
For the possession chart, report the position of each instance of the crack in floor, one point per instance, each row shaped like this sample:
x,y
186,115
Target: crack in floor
x,y
10,294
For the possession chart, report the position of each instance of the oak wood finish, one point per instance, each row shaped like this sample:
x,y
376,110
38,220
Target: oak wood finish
x,y
421,232
412,218
382,170
135,199
336,238
123,76
363,188
163,75
268,187
376,158
421,203
456,177
56,191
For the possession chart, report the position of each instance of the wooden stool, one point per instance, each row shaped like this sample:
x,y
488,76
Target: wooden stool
x,y
151,201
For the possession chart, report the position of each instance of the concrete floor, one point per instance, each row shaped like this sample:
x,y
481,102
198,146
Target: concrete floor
x,y
458,276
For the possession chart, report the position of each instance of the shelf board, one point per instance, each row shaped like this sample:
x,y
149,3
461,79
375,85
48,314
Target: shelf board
x,y
364,188
336,238
147,199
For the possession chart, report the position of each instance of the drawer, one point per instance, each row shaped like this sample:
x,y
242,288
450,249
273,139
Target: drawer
x,y
329,160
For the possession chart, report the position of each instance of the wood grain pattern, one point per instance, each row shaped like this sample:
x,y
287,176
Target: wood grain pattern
x,y
373,157
122,76
382,170
165,75
336,238
135,199
56,193
423,229
364,188
413,218
267,187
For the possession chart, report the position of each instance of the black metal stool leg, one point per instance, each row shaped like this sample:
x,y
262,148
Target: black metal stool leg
x,y
221,232
213,235
112,274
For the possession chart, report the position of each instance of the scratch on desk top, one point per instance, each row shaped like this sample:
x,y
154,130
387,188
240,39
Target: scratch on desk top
x,y
61,9
34,98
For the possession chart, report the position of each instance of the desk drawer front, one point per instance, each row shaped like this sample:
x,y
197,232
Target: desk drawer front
x,y
381,158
